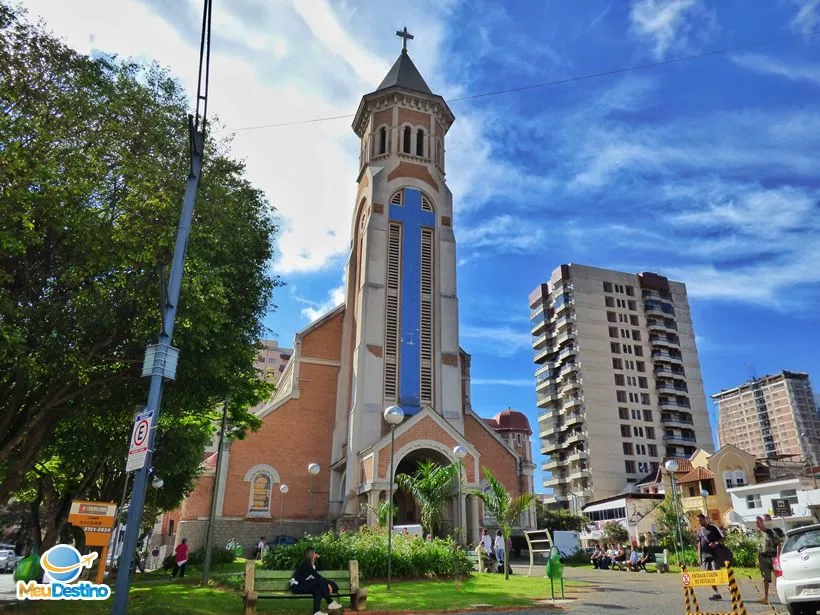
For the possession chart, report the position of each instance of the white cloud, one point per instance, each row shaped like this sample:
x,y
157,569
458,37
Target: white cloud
x,y
794,71
808,16
497,340
335,297
503,233
504,382
670,25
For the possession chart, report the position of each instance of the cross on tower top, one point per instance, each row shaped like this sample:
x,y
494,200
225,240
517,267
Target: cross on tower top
x,y
405,36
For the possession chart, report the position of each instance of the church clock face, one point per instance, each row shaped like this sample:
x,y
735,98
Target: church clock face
x,y
409,305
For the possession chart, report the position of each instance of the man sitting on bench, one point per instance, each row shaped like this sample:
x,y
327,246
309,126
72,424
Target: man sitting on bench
x,y
306,580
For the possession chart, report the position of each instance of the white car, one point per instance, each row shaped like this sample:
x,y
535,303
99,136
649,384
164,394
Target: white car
x,y
8,561
798,571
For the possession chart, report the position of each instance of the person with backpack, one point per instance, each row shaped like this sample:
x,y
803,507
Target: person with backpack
x,y
768,547
711,551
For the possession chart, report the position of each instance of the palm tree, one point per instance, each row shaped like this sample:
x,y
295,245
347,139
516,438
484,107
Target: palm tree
x,y
380,512
432,486
504,508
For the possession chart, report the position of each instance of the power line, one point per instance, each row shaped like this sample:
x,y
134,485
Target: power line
x,y
534,86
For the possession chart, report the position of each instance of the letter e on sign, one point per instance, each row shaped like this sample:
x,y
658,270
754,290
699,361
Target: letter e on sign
x,y
138,447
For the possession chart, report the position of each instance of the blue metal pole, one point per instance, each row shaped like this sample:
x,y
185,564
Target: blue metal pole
x,y
129,547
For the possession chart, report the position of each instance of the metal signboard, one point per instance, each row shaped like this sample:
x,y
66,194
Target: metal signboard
x,y
781,507
138,448
702,578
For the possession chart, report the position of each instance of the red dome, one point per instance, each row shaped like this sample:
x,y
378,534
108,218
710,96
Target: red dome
x,y
511,420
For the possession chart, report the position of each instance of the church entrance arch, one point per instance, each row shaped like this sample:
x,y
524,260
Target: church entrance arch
x,y
407,462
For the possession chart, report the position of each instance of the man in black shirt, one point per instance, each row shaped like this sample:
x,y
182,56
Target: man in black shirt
x,y
709,537
306,580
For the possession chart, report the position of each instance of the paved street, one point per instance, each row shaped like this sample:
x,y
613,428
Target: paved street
x,y
645,594
6,587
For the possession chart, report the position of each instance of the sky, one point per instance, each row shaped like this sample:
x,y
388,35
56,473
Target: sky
x,y
703,170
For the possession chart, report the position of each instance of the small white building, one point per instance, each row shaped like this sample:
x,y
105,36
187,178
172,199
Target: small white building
x,y
750,501
634,511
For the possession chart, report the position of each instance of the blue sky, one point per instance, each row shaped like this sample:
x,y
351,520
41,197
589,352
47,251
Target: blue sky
x,y
705,171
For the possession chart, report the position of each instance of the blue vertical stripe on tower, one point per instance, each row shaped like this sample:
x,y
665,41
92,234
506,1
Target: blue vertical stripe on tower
x,y
413,219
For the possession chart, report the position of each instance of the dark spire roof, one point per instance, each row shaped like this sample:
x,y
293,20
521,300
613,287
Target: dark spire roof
x,y
404,74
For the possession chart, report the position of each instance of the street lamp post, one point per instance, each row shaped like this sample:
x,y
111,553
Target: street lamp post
x,y
704,494
157,484
459,452
671,467
314,469
283,489
394,415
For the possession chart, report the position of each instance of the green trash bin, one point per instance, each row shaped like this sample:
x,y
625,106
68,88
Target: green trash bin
x,y
555,571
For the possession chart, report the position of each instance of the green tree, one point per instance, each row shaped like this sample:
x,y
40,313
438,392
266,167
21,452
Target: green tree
x,y
505,509
381,512
93,162
615,532
669,521
558,520
432,486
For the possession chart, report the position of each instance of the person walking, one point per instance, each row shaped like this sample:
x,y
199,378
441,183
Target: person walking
x,y
306,580
260,547
180,559
768,547
710,549
498,546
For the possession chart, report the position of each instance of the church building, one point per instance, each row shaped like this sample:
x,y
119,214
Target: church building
x,y
394,341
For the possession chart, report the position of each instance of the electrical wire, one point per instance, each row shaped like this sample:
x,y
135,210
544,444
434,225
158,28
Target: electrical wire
x,y
544,84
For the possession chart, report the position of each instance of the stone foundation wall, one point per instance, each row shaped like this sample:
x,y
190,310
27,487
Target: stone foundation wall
x,y
246,532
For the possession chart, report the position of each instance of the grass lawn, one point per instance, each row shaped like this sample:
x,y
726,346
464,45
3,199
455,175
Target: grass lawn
x,y
163,598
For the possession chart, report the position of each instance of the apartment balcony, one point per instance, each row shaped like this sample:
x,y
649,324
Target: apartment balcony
x,y
553,498
672,388
574,437
551,444
679,439
647,293
538,309
564,336
547,414
569,368
553,464
577,456
669,373
561,306
548,429
541,354
544,368
540,341
577,473
576,418
545,383
539,326
566,319
677,419
669,404
661,326
663,341
697,503
567,351
574,401
569,385
545,397
666,356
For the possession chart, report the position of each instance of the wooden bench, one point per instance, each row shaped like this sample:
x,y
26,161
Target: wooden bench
x,y
263,584
660,563
475,559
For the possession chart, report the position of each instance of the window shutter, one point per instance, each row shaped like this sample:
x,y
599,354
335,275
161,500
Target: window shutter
x,y
391,328
426,322
396,198
426,205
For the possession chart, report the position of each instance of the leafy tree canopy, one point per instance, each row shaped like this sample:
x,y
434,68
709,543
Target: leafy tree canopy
x,y
558,520
93,161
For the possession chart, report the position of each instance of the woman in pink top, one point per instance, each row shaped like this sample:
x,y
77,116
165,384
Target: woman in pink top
x,y
180,559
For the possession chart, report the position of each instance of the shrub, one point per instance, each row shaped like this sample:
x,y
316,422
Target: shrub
x,y
743,548
412,557
195,558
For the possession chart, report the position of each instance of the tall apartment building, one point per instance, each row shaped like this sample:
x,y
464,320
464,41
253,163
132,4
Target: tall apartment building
x,y
271,360
618,379
772,415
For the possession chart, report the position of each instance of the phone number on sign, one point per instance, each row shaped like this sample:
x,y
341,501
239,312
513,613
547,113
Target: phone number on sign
x,y
101,530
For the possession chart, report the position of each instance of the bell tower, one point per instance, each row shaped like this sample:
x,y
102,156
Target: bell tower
x,y
400,331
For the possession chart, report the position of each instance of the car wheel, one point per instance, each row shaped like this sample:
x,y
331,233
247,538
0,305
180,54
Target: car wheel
x,y
802,608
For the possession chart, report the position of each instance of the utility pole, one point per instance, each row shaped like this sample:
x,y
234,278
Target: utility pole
x,y
209,533
161,358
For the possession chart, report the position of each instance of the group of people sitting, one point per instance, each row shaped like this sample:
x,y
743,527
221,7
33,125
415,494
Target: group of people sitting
x,y
610,557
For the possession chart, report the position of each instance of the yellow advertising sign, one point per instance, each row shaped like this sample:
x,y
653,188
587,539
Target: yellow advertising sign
x,y
702,578
96,519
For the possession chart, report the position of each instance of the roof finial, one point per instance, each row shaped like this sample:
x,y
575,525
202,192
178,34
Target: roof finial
x,y
405,35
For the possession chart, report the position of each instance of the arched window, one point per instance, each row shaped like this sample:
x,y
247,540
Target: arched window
x,y
260,493
420,142
406,140
382,140
261,477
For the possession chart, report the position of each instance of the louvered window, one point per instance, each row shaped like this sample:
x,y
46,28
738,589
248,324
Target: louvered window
x,y
396,198
391,331
426,205
426,323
